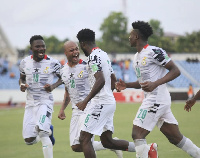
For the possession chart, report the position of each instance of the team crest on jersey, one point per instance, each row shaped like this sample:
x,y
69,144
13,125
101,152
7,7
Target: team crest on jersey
x,y
46,70
80,75
144,61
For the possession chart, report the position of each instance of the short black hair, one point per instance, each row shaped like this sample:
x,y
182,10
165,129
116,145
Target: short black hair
x,y
35,37
86,35
144,28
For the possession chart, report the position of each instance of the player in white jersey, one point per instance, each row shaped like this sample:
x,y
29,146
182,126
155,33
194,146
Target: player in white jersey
x,y
100,112
150,64
75,77
36,77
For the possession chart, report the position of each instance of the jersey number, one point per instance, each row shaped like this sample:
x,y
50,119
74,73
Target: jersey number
x,y
138,74
42,118
72,83
142,114
35,77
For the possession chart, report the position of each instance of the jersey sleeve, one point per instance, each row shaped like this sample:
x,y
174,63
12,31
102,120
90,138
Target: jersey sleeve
x,y
56,67
21,67
160,56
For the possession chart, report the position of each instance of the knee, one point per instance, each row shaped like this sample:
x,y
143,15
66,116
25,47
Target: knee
x,y
107,143
30,141
84,139
175,139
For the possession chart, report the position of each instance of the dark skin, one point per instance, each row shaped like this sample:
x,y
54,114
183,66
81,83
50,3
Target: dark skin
x,y
106,137
72,53
191,102
38,48
171,131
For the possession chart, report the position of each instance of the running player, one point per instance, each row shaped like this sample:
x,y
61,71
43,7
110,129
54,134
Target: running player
x,y
100,111
36,76
150,65
75,77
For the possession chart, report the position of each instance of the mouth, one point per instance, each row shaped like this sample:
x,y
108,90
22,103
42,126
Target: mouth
x,y
40,54
75,57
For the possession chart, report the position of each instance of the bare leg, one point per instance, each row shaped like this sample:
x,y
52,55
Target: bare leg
x,y
86,144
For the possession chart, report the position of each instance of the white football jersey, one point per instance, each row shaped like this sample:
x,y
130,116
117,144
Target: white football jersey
x,y
37,75
76,81
149,66
98,60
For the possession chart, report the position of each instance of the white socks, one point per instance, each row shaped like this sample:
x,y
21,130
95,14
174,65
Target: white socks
x,y
98,146
131,147
141,148
188,146
46,144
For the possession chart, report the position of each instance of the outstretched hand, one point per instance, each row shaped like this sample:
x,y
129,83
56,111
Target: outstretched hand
x,y
189,104
121,85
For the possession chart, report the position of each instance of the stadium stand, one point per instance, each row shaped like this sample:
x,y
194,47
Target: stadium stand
x,y
189,75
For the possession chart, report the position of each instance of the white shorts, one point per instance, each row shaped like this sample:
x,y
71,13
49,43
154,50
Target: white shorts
x,y
76,124
99,118
40,115
150,114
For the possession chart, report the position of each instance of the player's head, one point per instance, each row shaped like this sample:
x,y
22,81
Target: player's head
x,y
141,30
72,52
38,47
86,38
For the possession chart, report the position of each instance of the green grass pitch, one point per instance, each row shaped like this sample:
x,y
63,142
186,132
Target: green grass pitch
x,y
13,146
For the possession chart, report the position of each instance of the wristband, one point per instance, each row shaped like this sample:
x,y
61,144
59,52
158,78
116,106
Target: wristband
x,y
22,84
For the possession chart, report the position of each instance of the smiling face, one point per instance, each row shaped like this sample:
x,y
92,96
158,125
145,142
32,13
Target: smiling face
x,y
38,48
72,53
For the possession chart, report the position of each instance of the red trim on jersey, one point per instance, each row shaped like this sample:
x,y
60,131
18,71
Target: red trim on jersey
x,y
146,46
80,61
95,48
45,56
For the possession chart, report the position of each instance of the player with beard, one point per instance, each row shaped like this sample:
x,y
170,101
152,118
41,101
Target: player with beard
x,y
36,77
75,77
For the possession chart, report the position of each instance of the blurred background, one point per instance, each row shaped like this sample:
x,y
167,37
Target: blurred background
x,y
175,24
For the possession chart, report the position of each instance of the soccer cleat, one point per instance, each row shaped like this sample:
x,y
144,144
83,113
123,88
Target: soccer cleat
x,y
153,151
119,153
51,136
